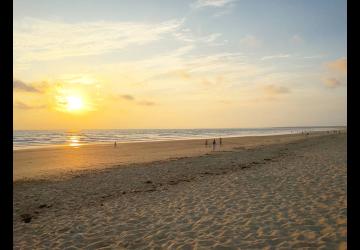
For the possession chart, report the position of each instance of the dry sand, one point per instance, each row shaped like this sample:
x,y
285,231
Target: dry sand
x,y
278,192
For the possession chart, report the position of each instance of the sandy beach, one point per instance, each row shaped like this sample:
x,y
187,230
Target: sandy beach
x,y
269,192
56,161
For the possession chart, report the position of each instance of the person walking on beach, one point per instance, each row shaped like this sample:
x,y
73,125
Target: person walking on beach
x,y
214,144
220,141
115,144
206,143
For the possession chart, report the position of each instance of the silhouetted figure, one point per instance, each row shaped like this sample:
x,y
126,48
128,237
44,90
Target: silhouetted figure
x,y
115,144
206,143
220,141
214,144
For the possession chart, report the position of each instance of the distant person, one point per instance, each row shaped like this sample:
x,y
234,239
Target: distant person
x,y
206,143
214,144
115,144
220,141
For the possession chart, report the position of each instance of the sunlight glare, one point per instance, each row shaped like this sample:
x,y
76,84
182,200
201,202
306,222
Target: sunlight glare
x,y
74,103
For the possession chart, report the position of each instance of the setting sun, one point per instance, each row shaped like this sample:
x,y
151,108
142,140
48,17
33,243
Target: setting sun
x,y
74,103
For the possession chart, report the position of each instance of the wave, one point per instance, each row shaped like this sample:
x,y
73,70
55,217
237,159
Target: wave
x,y
46,138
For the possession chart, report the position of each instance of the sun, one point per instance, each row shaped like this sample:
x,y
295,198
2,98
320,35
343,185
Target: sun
x,y
74,103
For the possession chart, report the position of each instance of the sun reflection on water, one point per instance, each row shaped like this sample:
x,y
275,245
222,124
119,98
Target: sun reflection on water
x,y
74,141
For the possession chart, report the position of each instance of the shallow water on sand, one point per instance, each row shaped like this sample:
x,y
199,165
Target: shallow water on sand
x,y
45,138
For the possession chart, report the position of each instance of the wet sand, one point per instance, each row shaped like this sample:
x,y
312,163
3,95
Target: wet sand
x,y
277,192
54,161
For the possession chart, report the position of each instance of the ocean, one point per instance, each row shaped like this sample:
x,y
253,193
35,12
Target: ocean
x,y
23,139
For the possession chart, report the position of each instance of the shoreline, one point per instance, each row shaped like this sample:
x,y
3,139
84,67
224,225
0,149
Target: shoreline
x,y
341,128
99,144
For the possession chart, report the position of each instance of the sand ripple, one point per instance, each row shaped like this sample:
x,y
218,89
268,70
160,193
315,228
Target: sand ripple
x,y
226,200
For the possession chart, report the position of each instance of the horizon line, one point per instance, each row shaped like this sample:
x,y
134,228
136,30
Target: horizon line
x,y
305,126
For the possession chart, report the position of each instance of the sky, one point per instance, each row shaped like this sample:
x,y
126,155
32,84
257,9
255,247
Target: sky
x,y
179,64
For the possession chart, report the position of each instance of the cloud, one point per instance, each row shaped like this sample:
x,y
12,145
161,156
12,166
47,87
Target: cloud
x,y
211,38
39,40
21,86
146,103
275,90
332,82
297,39
218,80
132,98
83,79
183,74
185,35
21,105
251,41
224,11
313,57
275,56
226,6
339,65
127,97
211,3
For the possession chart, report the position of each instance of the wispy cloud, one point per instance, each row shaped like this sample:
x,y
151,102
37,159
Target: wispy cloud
x,y
146,103
185,35
214,81
224,12
275,56
131,98
21,105
193,71
296,39
84,79
273,90
127,97
251,41
337,72
313,57
211,3
36,39
182,73
212,37
339,65
21,86
332,82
